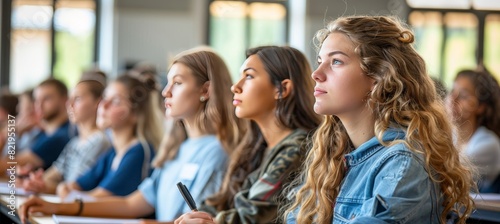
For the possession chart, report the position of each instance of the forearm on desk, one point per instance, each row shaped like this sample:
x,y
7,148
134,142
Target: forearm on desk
x,y
131,206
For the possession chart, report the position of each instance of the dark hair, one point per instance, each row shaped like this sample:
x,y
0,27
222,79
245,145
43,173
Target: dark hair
x,y
440,89
290,111
487,92
294,111
60,86
9,102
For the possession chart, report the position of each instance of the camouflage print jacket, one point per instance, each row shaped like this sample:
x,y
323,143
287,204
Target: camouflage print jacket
x,y
257,202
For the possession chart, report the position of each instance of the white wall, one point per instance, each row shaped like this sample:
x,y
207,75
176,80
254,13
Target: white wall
x,y
157,30
154,30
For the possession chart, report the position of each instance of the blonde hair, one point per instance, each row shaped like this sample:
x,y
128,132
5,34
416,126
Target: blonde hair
x,y
216,115
403,96
149,117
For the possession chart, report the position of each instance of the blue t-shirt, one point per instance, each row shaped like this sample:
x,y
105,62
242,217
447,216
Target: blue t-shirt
x,y
200,165
48,147
133,168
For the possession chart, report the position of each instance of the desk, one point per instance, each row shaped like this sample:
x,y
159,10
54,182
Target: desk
x,y
487,209
41,220
7,214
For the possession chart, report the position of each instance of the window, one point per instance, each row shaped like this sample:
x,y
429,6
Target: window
x,y
429,39
44,43
236,26
456,35
492,44
74,39
30,44
460,48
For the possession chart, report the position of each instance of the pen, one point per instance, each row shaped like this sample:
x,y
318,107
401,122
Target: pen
x,y
187,196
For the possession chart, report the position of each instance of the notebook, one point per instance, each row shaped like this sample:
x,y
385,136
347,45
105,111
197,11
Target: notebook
x,y
60,219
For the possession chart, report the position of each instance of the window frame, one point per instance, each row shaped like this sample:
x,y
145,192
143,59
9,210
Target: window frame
x,y
6,30
481,18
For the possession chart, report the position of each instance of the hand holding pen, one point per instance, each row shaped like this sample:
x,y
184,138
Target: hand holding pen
x,y
195,216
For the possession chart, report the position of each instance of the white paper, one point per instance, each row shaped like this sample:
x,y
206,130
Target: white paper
x,y
60,219
5,189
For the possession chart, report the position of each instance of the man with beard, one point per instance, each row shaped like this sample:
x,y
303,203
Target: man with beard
x,y
50,106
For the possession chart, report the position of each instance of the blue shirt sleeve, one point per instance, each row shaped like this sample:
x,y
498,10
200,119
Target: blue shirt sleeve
x,y
94,175
127,177
149,187
48,148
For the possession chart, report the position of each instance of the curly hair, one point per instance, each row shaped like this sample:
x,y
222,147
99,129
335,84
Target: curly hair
x,y
403,96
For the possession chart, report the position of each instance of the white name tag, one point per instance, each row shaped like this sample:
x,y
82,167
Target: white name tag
x,y
188,171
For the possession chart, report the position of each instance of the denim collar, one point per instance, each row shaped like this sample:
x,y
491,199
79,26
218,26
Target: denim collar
x,y
372,146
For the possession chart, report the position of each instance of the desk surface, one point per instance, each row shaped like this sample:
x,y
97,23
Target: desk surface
x,y
487,207
41,220
18,200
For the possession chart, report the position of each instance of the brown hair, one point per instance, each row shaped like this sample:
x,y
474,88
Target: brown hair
x,y
294,111
149,123
9,103
403,96
58,85
96,82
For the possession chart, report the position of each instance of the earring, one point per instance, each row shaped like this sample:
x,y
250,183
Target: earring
x,y
202,98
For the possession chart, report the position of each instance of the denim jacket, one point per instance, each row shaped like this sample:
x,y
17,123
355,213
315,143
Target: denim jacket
x,y
386,185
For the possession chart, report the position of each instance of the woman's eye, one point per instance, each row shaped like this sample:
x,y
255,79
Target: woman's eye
x,y
248,76
336,62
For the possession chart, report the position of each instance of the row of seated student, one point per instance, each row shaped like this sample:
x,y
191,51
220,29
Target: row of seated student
x,y
384,149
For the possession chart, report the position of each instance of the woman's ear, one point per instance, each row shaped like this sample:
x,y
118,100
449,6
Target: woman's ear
x,y
286,89
205,90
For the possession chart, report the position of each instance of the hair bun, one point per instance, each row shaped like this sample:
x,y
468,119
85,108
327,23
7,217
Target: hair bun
x,y
406,37
149,82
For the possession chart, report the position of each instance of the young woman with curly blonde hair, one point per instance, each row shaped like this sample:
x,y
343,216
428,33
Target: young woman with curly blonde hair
x,y
384,152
